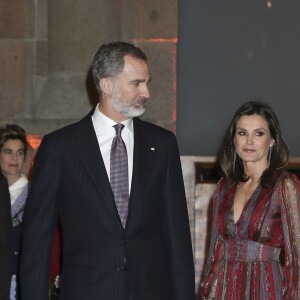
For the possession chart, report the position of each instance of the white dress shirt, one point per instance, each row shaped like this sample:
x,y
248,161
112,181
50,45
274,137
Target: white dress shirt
x,y
105,133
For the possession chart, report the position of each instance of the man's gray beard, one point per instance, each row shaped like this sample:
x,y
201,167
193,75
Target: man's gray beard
x,y
127,110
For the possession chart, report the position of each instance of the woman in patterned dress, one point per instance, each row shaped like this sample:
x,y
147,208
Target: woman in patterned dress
x,y
13,147
255,240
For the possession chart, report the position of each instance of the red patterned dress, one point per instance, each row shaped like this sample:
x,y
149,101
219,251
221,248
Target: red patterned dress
x,y
258,257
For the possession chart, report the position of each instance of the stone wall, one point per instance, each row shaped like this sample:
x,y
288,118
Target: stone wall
x,y
46,48
199,202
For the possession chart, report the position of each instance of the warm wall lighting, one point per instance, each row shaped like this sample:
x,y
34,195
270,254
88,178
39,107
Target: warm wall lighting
x,y
269,4
34,140
155,40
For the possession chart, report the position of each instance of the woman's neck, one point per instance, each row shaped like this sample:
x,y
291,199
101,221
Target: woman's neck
x,y
11,179
254,171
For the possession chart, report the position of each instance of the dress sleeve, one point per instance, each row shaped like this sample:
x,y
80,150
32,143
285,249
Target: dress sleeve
x,y
290,207
216,252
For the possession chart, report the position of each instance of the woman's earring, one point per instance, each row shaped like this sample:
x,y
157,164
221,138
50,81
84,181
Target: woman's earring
x,y
234,161
269,156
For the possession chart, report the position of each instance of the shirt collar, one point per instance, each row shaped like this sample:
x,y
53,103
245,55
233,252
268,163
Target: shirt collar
x,y
103,123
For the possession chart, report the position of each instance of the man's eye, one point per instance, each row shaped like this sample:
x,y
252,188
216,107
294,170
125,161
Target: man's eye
x,y
136,83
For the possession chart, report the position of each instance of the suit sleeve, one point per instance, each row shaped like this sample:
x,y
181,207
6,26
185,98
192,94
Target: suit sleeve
x,y
178,229
40,220
5,240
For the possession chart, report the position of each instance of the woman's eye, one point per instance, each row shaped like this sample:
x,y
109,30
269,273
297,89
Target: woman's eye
x,y
242,133
259,133
21,152
7,151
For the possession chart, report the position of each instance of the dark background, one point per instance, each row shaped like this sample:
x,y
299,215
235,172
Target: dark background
x,y
229,52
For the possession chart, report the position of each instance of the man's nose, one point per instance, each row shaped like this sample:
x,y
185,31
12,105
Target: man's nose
x,y
145,92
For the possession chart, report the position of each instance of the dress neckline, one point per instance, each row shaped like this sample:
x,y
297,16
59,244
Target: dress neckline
x,y
235,223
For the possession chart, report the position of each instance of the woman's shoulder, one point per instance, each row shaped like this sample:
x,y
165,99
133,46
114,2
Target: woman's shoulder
x,y
224,185
287,183
292,180
222,181
285,176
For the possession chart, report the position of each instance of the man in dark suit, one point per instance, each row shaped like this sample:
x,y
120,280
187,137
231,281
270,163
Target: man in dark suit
x,y
5,240
133,244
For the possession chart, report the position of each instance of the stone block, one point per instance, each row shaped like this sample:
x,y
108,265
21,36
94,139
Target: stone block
x,y
157,19
63,97
77,30
167,124
36,126
162,103
16,18
15,77
42,19
42,67
150,19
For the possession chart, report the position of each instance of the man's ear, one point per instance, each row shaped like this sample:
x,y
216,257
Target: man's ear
x,y
106,86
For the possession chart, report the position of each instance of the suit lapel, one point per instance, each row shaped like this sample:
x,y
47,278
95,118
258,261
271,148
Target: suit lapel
x,y
88,152
143,157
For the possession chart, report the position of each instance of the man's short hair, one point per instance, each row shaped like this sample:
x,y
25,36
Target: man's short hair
x,y
109,60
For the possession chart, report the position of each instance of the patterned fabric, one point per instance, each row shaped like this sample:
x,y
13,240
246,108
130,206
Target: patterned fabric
x,y
17,208
119,173
245,250
243,262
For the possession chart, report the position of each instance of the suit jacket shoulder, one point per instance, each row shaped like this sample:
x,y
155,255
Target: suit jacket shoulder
x,y
151,127
85,122
152,132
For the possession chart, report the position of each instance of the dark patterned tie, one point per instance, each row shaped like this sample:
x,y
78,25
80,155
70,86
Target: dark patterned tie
x,y
119,173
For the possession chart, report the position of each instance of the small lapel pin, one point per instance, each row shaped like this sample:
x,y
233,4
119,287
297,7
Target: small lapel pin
x,y
152,149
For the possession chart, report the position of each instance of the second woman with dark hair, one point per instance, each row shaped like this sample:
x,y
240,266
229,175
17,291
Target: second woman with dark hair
x,y
256,214
13,147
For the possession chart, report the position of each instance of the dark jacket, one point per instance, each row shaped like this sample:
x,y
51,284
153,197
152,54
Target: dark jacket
x,y
5,240
152,256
